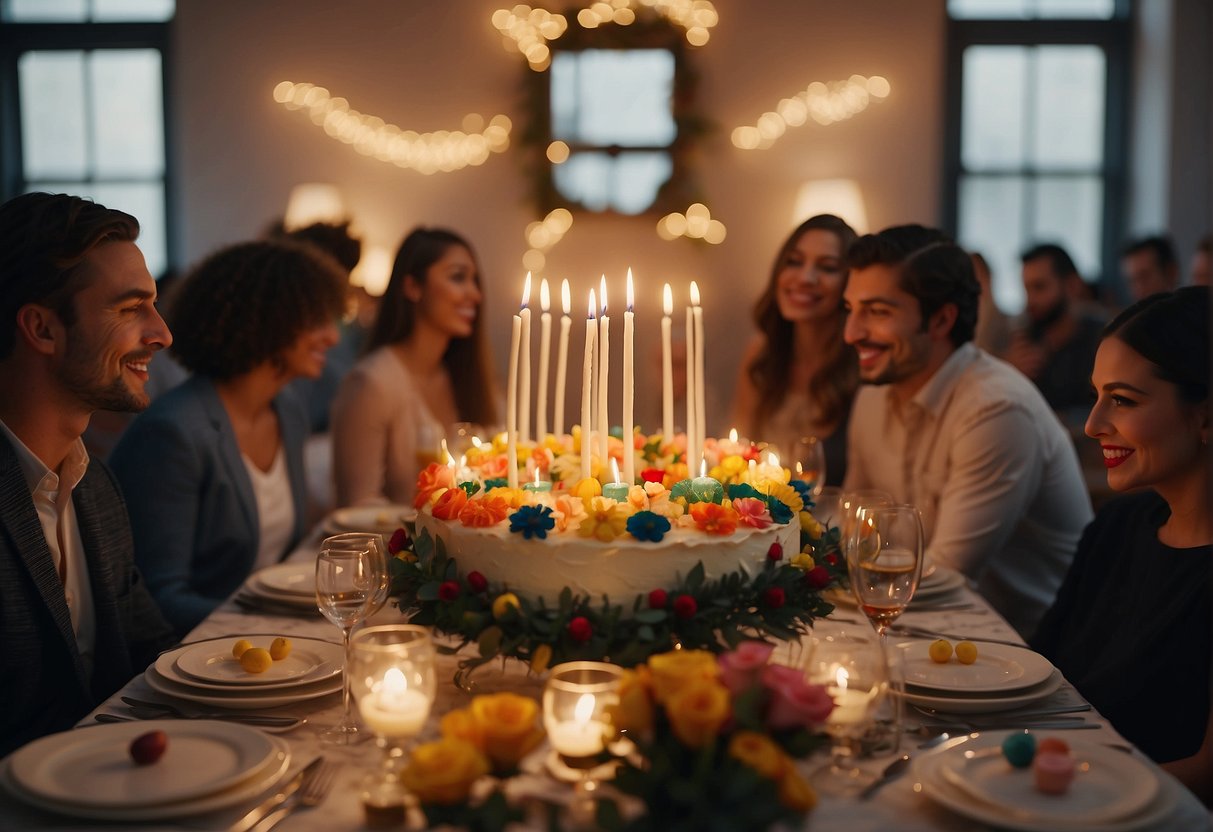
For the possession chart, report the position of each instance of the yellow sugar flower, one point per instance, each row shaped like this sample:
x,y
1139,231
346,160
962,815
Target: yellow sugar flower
x,y
733,464
785,494
604,520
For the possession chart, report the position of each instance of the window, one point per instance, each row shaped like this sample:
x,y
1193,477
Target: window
x,y
86,110
1036,126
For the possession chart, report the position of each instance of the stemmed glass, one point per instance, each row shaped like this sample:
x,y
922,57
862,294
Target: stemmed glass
x,y
346,586
575,702
854,673
373,543
392,676
809,462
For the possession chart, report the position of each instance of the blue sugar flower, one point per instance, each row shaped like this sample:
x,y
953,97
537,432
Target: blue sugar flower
x,y
743,489
804,489
780,512
646,525
532,521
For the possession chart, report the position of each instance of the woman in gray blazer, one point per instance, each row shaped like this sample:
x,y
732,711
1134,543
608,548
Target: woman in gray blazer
x,y
212,472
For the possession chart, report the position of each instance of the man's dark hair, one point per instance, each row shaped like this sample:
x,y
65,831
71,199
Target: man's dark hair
x,y
932,268
1059,259
43,240
1161,247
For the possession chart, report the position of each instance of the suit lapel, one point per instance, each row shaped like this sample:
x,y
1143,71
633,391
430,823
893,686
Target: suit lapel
x,y
98,538
229,453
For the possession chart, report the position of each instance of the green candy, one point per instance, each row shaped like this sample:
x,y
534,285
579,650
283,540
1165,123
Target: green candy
x,y
1019,749
707,490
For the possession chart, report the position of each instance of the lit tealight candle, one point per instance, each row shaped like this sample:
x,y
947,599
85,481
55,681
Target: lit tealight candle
x,y
537,485
615,490
850,706
392,708
582,736
706,489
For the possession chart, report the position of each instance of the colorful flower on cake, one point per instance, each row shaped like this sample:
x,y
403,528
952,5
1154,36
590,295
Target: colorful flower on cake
x,y
586,488
566,468
532,521
495,467
568,511
648,526
637,498
785,494
513,497
752,512
483,512
604,519
656,475
804,488
675,472
448,506
711,518
433,477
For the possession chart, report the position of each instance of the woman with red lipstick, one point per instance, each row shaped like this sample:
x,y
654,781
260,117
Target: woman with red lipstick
x,y
798,377
1131,624
426,368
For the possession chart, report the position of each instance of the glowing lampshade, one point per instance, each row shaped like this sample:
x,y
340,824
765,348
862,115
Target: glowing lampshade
x,y
373,270
840,197
314,202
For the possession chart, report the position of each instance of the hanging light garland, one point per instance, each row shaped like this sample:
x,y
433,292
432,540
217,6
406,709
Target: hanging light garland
x,y
542,235
426,153
824,103
696,224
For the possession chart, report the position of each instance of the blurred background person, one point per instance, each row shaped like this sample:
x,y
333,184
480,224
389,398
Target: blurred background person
x,y
426,368
993,326
1201,271
212,472
1149,266
798,377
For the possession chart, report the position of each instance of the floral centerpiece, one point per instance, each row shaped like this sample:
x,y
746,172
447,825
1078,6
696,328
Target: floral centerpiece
x,y
717,739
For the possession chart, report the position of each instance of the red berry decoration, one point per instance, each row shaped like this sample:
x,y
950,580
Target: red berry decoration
x,y
652,475
148,748
832,559
685,606
477,582
773,597
818,577
449,590
658,599
580,629
776,551
399,541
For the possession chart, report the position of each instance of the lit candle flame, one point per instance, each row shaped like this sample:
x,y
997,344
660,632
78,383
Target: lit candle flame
x,y
475,441
584,708
544,298
667,301
565,297
732,434
526,291
602,298
593,306
631,296
773,459
615,470
841,676
536,475
694,293
703,467
446,452
394,681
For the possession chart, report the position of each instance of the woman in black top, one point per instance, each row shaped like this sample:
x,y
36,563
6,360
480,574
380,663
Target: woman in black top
x,y
1131,624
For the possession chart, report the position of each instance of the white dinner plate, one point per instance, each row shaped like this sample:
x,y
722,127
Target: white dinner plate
x,y
1117,793
93,767
254,587
310,660
166,665
296,578
382,519
257,784
241,698
985,703
941,582
1000,668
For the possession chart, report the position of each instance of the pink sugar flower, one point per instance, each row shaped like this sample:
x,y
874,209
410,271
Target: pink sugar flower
x,y
752,512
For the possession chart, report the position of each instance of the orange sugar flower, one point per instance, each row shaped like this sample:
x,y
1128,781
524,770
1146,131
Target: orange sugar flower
x,y
494,467
483,512
512,496
434,476
752,512
450,504
714,519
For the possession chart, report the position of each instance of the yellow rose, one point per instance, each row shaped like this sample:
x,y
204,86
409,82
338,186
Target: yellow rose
x,y
507,722
460,725
759,752
698,711
809,525
503,603
634,711
442,772
679,668
795,792
804,561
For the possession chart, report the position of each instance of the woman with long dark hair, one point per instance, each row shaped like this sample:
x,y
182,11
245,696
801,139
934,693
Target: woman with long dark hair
x,y
798,377
425,369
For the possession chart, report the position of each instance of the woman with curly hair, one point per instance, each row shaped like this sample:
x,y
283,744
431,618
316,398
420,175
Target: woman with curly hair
x,y
213,471
425,369
798,377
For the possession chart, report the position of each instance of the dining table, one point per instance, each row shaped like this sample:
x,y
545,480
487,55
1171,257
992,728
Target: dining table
x,y
904,803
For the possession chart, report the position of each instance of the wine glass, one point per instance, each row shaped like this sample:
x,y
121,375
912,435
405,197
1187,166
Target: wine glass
x,y
373,543
827,507
884,560
850,503
575,702
392,676
809,462
853,671
346,586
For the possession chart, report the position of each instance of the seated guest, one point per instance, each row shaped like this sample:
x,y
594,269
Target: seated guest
x,y
956,432
1131,624
1056,345
78,328
213,471
993,332
426,369
1149,266
1201,270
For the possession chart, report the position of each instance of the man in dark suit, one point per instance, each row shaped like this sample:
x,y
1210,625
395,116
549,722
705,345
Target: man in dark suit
x,y
78,326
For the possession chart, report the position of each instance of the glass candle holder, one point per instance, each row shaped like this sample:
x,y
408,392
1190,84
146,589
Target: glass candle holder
x,y
392,677
575,702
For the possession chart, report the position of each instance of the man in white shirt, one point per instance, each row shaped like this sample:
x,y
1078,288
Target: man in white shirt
x,y
78,326
955,431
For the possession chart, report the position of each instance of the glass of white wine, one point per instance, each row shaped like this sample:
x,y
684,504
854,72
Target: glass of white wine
x,y
809,463
884,561
373,543
346,586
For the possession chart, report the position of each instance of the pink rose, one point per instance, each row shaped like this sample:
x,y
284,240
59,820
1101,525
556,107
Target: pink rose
x,y
740,669
752,512
794,701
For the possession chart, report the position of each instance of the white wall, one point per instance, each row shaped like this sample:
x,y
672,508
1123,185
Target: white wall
x,y
424,65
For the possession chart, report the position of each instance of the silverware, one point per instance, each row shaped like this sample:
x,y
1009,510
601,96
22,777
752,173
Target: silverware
x,y
314,789
891,772
1030,712
269,728
919,632
963,727
161,709
256,814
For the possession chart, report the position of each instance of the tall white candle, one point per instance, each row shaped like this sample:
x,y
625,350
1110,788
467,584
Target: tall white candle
x,y
604,375
545,337
524,365
511,405
629,387
690,392
587,386
562,356
667,365
701,378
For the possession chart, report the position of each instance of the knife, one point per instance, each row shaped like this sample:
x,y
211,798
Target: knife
x,y
274,801
891,772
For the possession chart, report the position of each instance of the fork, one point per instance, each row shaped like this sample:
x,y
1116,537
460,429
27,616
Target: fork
x,y
162,709
312,792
